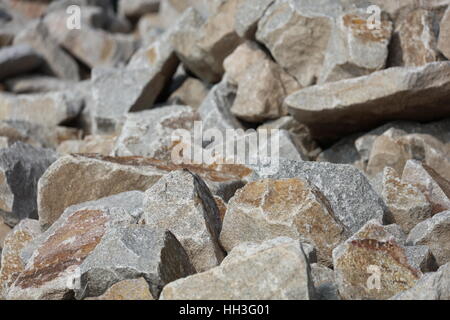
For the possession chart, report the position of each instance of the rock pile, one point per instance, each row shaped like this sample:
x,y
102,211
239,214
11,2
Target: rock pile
x,y
345,104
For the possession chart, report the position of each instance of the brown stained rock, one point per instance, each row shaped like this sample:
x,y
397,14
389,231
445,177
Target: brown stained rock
x,y
444,35
435,188
407,205
135,289
5,230
11,262
290,207
221,206
102,144
191,93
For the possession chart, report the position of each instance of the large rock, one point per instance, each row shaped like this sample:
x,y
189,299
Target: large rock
x,y
101,144
21,166
134,289
18,59
248,13
346,106
434,233
294,208
182,203
37,84
373,263
444,34
244,272
11,262
136,8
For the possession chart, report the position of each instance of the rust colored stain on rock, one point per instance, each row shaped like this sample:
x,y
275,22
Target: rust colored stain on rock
x,y
360,29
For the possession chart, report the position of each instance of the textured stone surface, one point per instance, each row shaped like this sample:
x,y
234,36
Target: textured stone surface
x,y
136,8
135,289
248,13
37,84
101,144
18,59
182,203
345,106
444,35
434,233
191,93
244,272
324,282
294,208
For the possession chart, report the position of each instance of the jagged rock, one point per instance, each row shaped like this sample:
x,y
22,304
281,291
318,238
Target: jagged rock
x,y
182,203
261,84
191,93
244,272
324,282
435,188
21,166
406,203
57,62
221,206
248,13
374,264
16,240
149,133
135,289
5,230
432,286
101,144
136,8
18,59
37,84
444,34
419,93
46,109
434,233
267,209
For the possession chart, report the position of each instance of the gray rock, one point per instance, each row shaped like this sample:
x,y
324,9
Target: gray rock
x,y
37,84
444,35
244,273
434,233
136,8
248,13
182,203
324,282
21,166
18,59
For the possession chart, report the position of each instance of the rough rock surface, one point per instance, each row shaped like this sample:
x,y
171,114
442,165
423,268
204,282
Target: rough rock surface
x,y
444,35
18,59
135,289
243,275
324,282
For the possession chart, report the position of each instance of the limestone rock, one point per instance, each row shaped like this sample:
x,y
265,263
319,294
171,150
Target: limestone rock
x,y
18,59
418,93
21,166
434,233
248,13
244,272
407,205
101,144
324,282
37,84
136,8
267,209
134,289
182,203
5,230
191,93
16,240
444,35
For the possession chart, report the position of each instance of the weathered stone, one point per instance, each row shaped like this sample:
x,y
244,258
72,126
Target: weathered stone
x,y
46,109
5,230
261,84
324,282
444,34
191,93
373,265
37,84
244,272
135,289
136,8
16,240
28,9
351,105
432,286
406,203
267,209
435,188
90,144
434,233
248,13
182,203
57,62
221,206
18,59
149,133
21,166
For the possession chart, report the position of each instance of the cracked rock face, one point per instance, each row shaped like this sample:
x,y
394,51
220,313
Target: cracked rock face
x,y
243,274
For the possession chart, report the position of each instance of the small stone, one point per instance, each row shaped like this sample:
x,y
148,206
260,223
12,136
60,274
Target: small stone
x,y
444,34
18,59
244,273
191,93
434,233
324,282
182,203
135,289
407,205
267,209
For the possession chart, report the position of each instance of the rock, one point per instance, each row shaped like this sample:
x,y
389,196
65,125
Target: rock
x,y
28,9
434,233
435,188
37,84
267,209
18,59
324,282
101,144
16,240
444,34
350,106
221,206
191,93
134,289
182,203
374,265
5,230
351,197
407,205
262,84
57,62
244,272
21,166
248,13
46,109
432,286
136,8
149,133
